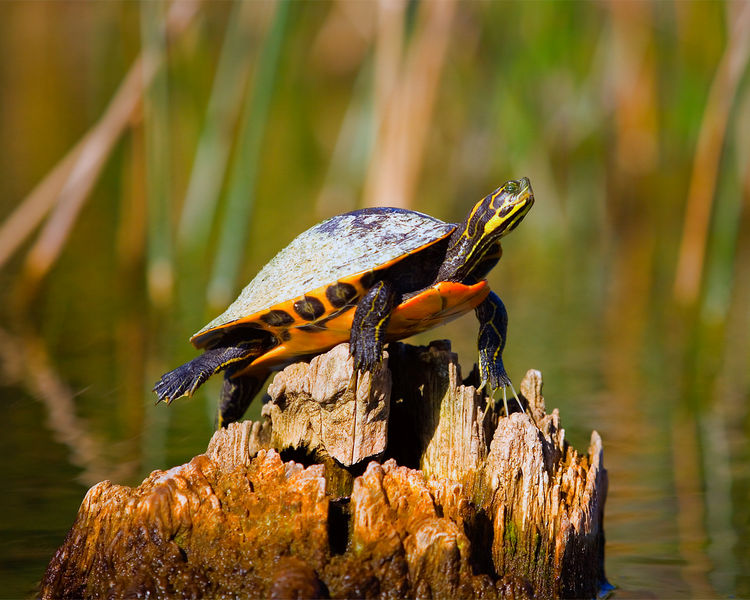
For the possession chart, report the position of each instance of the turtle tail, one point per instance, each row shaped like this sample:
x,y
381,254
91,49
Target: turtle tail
x,y
185,379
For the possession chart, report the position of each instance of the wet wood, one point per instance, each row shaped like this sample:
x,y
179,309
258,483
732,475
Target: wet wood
x,y
432,494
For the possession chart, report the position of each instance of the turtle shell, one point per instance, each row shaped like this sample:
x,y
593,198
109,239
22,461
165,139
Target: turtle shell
x,y
342,249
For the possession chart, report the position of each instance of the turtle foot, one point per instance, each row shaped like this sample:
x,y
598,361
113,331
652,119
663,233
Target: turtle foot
x,y
183,381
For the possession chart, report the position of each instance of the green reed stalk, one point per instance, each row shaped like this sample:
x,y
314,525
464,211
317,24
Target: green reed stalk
x,y
244,168
155,125
159,258
215,143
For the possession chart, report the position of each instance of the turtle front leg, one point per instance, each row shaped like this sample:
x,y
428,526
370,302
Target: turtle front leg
x,y
493,328
236,395
369,325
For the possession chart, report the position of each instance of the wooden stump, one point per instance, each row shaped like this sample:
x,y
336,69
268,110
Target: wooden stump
x,y
403,484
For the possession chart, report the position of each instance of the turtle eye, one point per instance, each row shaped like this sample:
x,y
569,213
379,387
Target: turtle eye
x,y
511,187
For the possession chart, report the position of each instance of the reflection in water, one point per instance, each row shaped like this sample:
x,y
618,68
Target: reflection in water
x,y
26,362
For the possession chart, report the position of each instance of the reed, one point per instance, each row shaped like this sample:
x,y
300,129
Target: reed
x,y
245,165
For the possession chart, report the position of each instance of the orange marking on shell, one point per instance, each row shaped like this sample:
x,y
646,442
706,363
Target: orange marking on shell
x,y
288,307
304,342
204,337
434,306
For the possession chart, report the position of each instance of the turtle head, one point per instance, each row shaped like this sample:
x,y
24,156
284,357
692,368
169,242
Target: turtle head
x,y
474,247
501,211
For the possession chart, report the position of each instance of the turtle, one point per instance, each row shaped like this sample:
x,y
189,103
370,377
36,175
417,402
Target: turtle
x,y
366,277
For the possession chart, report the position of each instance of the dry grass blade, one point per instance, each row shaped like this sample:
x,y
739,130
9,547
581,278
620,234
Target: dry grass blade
x,y
351,154
27,216
84,165
707,159
405,101
95,149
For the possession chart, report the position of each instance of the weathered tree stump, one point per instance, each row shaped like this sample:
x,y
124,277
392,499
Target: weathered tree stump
x,y
403,484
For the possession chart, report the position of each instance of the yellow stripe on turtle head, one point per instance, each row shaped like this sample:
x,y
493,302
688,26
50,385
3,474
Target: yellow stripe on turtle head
x,y
507,206
491,218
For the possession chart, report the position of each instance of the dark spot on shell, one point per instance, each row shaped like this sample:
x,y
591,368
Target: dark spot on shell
x,y
367,280
285,335
277,318
339,294
309,308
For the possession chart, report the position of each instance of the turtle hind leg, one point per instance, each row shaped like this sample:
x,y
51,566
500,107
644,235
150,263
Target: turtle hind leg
x,y
185,379
237,394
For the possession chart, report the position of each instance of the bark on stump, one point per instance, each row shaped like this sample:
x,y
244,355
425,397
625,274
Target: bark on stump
x,y
459,502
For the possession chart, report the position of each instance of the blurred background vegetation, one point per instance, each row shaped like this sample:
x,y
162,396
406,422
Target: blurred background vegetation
x,y
156,155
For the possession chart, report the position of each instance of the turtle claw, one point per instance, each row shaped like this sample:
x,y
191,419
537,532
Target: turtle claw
x,y
503,384
505,402
518,401
184,380
366,356
172,386
505,398
494,378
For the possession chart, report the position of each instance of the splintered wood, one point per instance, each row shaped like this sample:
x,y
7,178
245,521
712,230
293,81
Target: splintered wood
x,y
406,484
